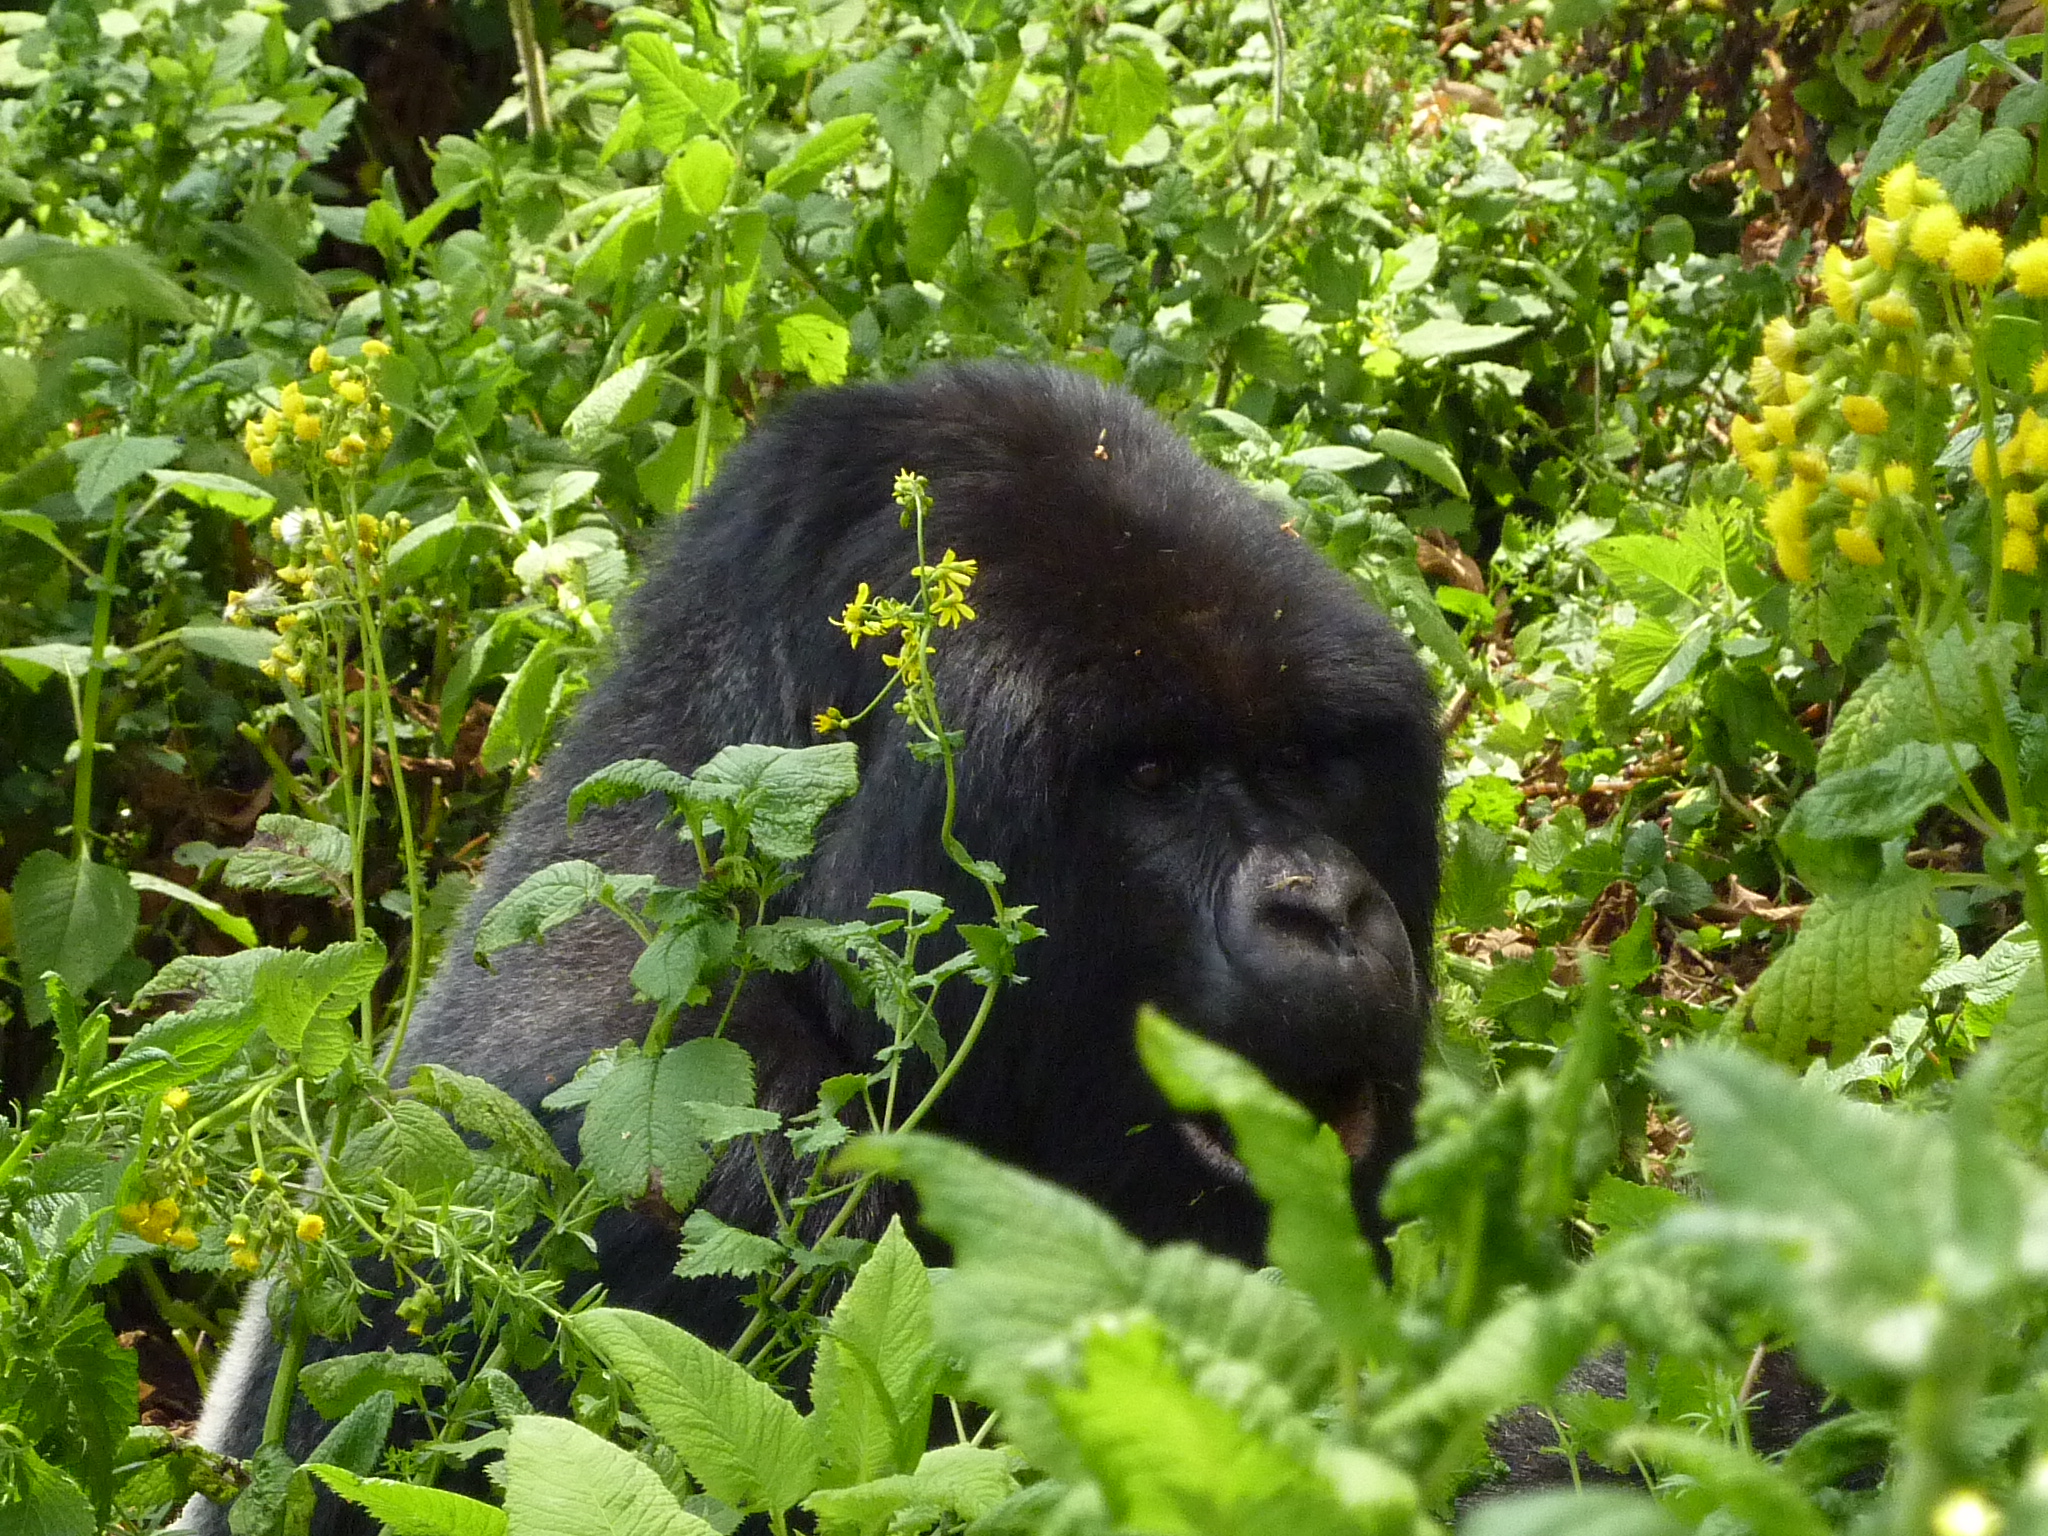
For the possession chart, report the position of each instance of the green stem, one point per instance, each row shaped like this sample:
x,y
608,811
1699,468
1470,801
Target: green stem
x,y
526,41
89,706
284,1387
714,342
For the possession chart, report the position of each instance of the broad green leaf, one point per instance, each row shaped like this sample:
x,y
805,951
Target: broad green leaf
x,y
710,1247
408,1509
358,1440
32,665
561,1480
94,278
1925,98
71,916
43,1500
786,791
1438,338
338,1385
1000,156
227,642
293,855
487,1110
808,161
676,101
877,1365
1857,963
817,344
111,463
1595,1512
1422,455
542,902
701,174
44,532
606,406
234,926
939,221
628,779
1123,95
739,1437
1894,703
304,1000
1992,170
649,1122
436,545
685,960
1299,1170
412,1146
1669,576
522,713
961,1481
1884,799
1334,458
245,259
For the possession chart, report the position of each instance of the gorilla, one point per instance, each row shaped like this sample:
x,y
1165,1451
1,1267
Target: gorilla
x,y
1188,741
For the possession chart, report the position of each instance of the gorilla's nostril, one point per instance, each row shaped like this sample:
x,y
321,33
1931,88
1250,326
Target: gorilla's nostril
x,y
1328,908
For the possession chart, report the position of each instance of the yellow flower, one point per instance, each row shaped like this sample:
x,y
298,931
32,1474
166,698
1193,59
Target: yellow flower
x,y
1858,545
1766,380
1783,423
1808,465
1798,386
375,348
2033,440
182,1237
1976,256
317,363
245,1260
1934,230
176,1099
261,461
1881,239
1763,466
2020,511
1781,343
828,722
2038,379
1980,461
1896,190
306,427
2019,551
1865,414
1894,310
2029,266
1795,559
1746,436
1966,1513
1785,512
1838,283
311,1228
290,400
351,390
1899,479
1857,484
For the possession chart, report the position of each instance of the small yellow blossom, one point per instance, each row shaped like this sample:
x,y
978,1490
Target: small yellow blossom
x,y
373,348
260,460
1976,256
311,1228
1781,344
351,390
1798,386
1763,465
2038,379
1881,239
2020,511
2019,551
245,1260
1897,189
1966,1512
2029,266
1894,310
182,1237
1838,283
1934,230
1808,465
1783,423
1747,436
1766,380
1899,479
1858,545
828,722
176,1099
1857,484
1865,414
317,363
306,427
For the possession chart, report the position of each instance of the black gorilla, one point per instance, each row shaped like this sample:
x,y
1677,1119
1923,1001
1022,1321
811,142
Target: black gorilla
x,y
1208,763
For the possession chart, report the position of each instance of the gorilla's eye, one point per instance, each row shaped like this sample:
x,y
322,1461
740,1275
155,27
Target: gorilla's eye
x,y
1150,775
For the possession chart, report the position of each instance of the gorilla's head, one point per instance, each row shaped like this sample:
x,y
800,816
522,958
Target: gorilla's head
x,y
1211,766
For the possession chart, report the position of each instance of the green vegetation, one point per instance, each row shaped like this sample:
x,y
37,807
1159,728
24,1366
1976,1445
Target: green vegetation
x,y
316,497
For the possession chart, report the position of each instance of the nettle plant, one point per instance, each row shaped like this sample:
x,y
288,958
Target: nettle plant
x,y
1902,445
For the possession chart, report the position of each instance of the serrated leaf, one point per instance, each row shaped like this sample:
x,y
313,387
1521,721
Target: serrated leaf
x,y
1994,168
1123,95
964,1482
487,1110
109,464
561,1480
1422,455
785,791
293,855
408,1509
1893,705
808,161
817,344
676,101
1856,965
522,713
44,532
413,1147
542,902
711,1247
738,1436
94,278
1667,575
245,259
876,1367
339,1384
71,916
1884,799
606,404
1438,338
1925,98
223,493
643,1129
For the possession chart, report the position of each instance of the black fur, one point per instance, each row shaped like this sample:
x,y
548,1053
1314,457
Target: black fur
x,y
1137,607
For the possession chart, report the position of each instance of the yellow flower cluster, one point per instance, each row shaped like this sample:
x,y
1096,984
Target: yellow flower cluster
x,y
156,1221
333,418
329,549
2023,480
1838,395
242,1252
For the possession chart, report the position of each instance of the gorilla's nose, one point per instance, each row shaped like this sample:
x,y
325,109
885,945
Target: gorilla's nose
x,y
1312,900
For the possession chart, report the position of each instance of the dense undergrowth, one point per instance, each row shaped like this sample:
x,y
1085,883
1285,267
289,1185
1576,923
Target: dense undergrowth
x,y
316,499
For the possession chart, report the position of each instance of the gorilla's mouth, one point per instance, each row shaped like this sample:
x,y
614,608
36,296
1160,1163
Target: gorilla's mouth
x,y
1355,1123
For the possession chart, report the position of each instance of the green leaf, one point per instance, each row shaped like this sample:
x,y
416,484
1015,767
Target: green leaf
x,y
1422,455
710,1247
340,1384
1435,339
784,791
235,927
817,344
44,532
676,101
1856,965
110,463
407,1509
1299,1170
410,1145
1884,799
73,917
964,1482
808,161
248,261
1000,156
1738,1481
1123,95
542,902
561,1480
1894,706
877,1366
293,855
522,713
940,220
1595,1512
1333,458
357,1441
1995,166
1669,576
738,1436
436,545
42,1501
487,1110
649,1120
701,174
227,642
220,492
32,665
607,405
1905,125
93,278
